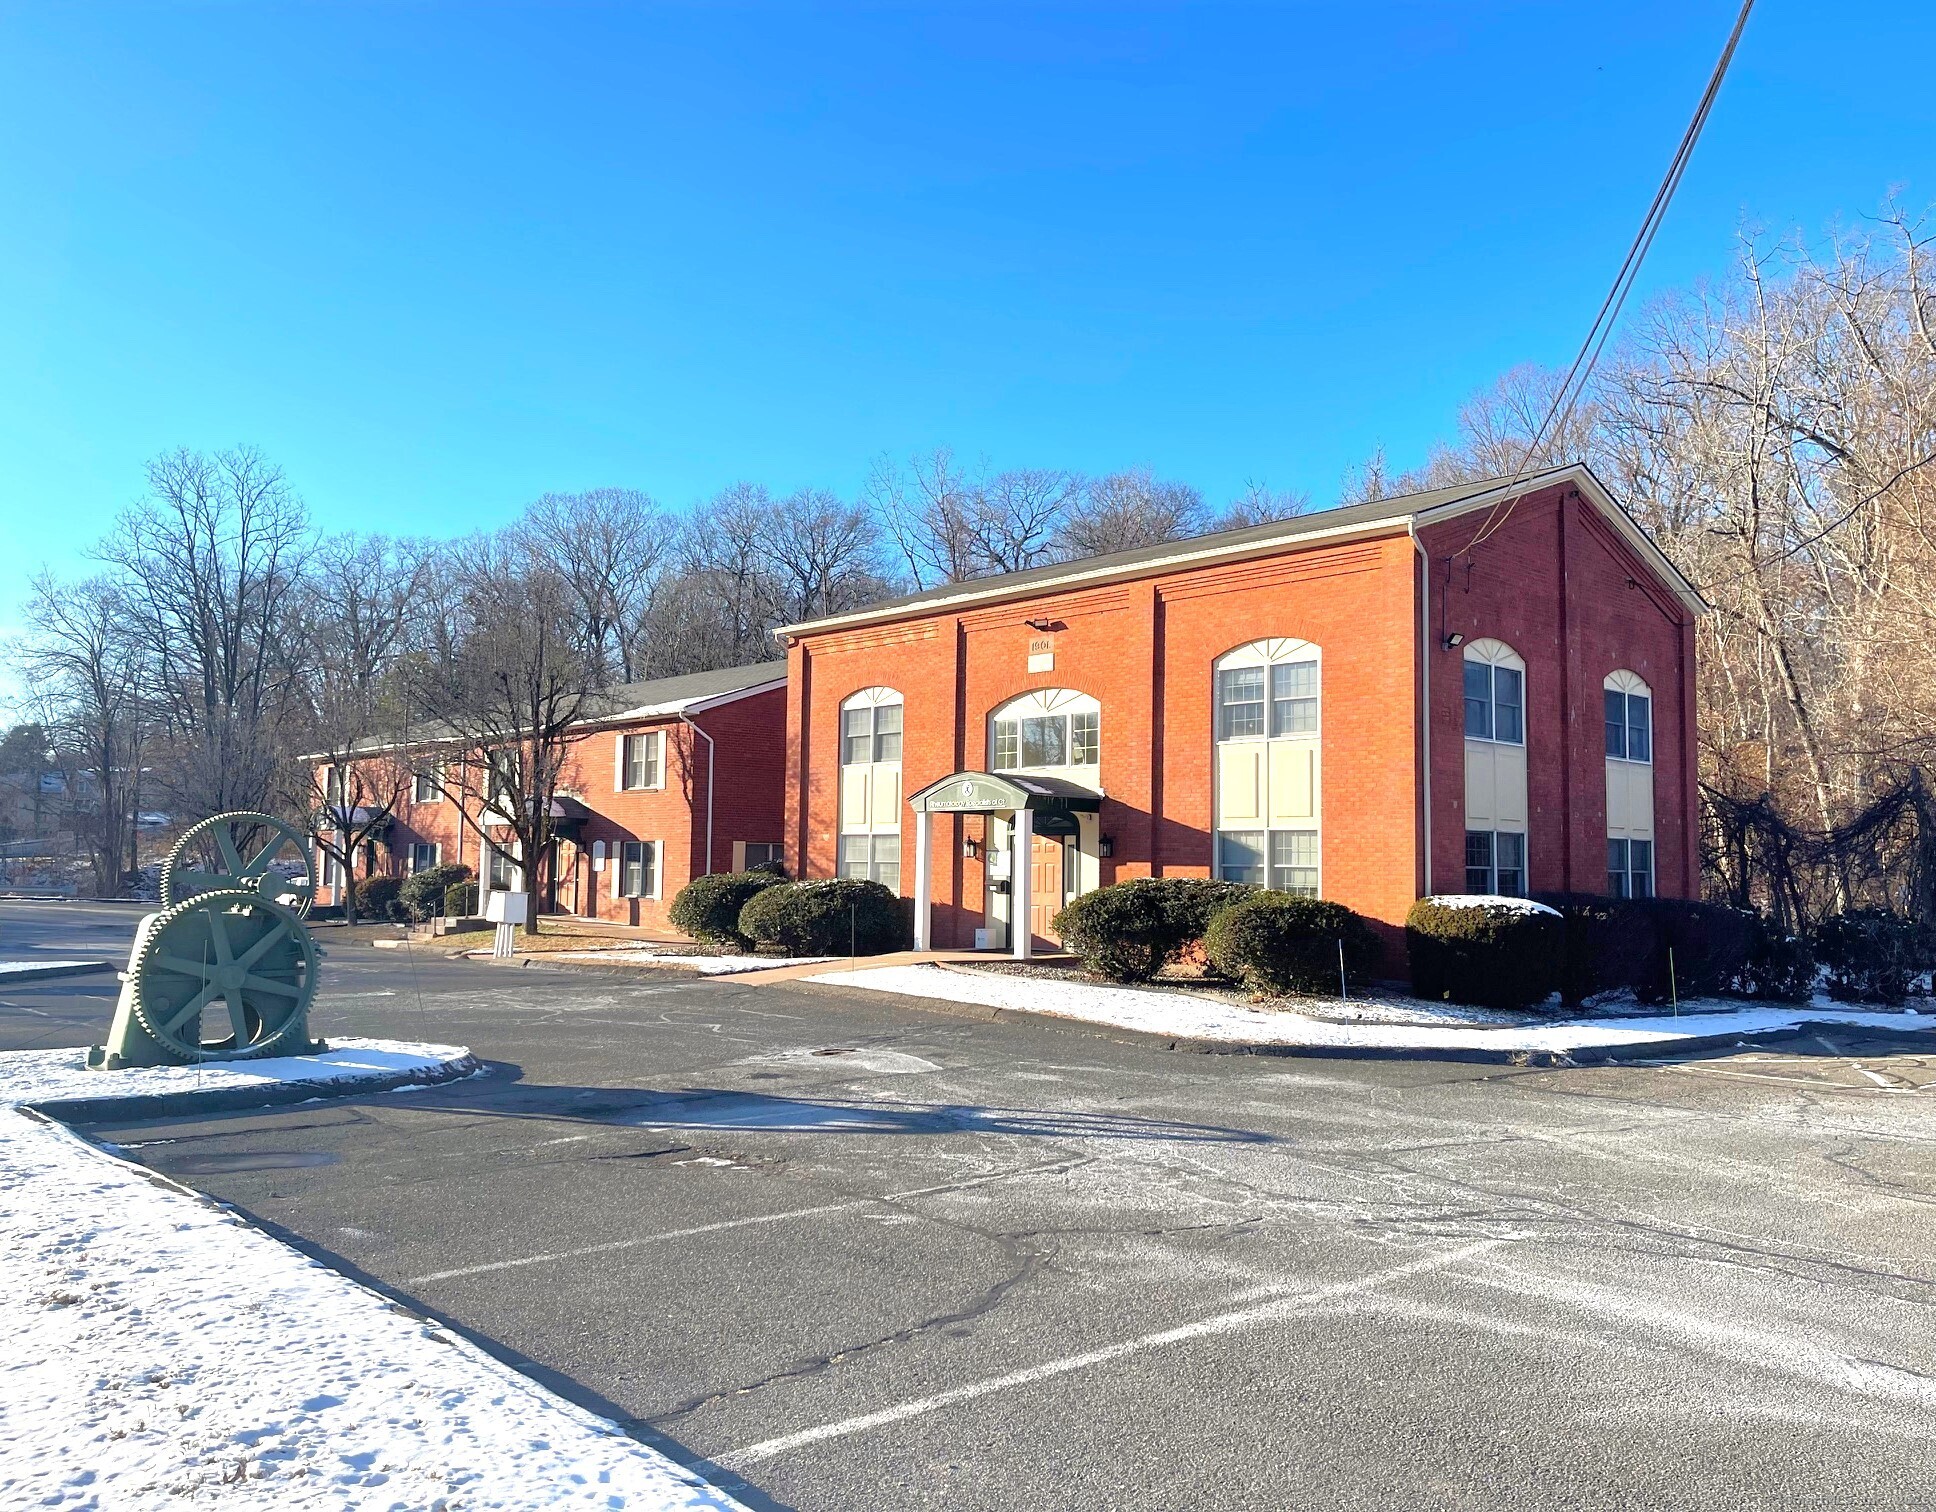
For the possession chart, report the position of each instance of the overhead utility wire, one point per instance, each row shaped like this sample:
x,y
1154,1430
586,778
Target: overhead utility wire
x,y
1568,397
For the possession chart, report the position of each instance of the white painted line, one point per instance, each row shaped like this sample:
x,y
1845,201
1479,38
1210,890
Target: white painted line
x,y
1220,1323
732,1223
1881,1081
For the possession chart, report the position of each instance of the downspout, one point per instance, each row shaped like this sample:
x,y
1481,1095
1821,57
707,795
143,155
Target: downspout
x,y
1424,689
711,751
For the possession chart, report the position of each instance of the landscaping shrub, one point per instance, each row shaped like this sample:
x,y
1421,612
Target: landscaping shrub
x,y
708,908
376,898
1614,943
422,894
1872,955
1781,967
1277,945
1606,943
460,902
1128,932
826,918
1496,953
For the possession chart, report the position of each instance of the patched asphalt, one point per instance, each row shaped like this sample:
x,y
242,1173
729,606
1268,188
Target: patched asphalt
x,y
863,1255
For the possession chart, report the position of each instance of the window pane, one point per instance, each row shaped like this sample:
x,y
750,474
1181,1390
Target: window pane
x,y
1294,698
1616,723
1617,868
1640,732
887,733
887,861
649,869
857,729
853,855
1478,861
1506,722
1240,858
1240,698
1640,869
1509,863
1045,741
1294,862
1086,738
1008,737
650,747
1478,700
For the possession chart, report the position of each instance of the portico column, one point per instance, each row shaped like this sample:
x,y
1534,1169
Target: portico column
x,y
1021,881
923,883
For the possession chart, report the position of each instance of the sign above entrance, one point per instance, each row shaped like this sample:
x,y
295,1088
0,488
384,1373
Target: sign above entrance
x,y
987,793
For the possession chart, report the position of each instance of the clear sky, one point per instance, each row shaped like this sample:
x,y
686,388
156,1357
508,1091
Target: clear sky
x,y
437,259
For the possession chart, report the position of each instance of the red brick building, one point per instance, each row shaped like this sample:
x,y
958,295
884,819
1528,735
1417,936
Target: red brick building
x,y
670,780
1451,691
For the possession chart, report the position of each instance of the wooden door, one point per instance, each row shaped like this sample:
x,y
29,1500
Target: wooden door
x,y
1046,896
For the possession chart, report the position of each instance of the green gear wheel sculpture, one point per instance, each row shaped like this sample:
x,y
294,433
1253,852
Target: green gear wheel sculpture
x,y
182,876
234,947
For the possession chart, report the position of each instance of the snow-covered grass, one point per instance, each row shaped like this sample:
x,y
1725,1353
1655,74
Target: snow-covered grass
x,y
160,1352
49,1076
705,965
1496,902
1183,1016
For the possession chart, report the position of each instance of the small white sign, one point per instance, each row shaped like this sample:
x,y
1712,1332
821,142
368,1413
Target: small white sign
x,y
982,939
1041,654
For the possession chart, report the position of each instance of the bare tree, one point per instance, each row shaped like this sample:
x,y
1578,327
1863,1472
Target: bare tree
x,y
609,546
86,670
927,510
1124,510
1259,504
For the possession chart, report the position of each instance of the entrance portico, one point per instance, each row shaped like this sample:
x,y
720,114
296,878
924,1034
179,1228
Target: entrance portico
x,y
1037,813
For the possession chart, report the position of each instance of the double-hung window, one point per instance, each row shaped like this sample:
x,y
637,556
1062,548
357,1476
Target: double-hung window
x,y
1495,702
1048,740
503,871
758,853
427,787
1495,862
1294,698
873,858
1240,703
643,760
1630,726
1630,868
638,870
423,856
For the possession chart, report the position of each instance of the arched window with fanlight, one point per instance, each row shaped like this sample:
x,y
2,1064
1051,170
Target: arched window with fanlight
x,y
870,786
1269,790
1050,731
1495,769
1630,785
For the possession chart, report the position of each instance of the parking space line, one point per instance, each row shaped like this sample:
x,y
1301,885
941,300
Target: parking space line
x,y
724,1224
1219,1323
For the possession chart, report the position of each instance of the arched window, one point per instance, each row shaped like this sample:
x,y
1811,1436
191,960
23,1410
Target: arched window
x,y
1051,730
870,786
1495,769
1269,715
1630,785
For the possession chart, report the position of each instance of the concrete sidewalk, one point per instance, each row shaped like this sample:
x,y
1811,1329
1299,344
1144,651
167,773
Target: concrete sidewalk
x,y
872,963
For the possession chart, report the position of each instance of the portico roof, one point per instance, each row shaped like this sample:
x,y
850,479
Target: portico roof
x,y
997,793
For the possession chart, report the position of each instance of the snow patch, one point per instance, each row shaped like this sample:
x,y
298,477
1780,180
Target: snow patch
x,y
1499,902
1184,1017
705,965
160,1350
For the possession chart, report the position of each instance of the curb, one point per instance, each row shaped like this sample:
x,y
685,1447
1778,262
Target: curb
x,y
1586,1055
32,973
72,1110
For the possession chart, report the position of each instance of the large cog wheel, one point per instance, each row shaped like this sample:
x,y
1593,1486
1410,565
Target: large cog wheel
x,y
183,875
233,945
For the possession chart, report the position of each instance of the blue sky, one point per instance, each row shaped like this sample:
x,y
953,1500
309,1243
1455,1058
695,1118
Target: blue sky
x,y
437,259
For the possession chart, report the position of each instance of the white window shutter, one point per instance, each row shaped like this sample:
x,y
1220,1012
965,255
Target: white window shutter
x,y
618,765
617,862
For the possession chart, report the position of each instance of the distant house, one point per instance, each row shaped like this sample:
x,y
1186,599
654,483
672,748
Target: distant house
x,y
670,779
1453,691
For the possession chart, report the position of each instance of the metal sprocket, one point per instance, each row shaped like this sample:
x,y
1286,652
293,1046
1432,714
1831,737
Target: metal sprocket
x,y
235,945
183,878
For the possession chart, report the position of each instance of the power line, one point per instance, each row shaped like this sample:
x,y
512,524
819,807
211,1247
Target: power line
x,y
1570,391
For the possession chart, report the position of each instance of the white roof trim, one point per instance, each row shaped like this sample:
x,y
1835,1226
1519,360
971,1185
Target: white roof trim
x,y
1188,553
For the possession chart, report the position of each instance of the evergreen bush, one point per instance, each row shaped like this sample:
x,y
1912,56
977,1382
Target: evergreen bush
x,y
1129,931
708,908
1278,945
1491,952
831,917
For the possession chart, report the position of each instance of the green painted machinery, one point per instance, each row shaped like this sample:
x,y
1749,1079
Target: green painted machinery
x,y
229,946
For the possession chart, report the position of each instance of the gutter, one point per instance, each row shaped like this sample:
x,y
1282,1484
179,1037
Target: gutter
x,y
711,751
1424,691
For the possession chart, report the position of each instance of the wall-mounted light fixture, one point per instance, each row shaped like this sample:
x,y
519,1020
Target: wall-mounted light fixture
x,y
1106,846
971,848
1454,640
1040,624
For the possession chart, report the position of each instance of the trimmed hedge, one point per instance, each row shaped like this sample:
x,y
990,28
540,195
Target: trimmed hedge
x,y
829,917
422,895
1781,968
1129,931
1493,954
708,908
1872,955
1660,948
1278,945
376,897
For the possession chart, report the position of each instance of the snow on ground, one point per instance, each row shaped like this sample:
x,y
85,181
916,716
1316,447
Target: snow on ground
x,y
10,968
1187,1017
706,965
37,1076
158,1351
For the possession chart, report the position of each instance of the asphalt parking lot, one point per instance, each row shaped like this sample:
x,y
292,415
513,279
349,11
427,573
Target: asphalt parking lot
x,y
849,1253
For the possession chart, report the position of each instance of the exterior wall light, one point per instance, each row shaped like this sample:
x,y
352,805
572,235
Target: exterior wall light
x,y
1106,846
1454,640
